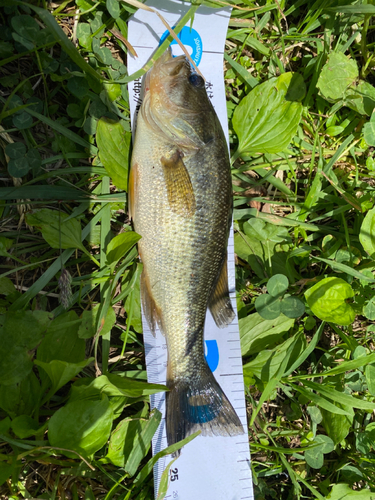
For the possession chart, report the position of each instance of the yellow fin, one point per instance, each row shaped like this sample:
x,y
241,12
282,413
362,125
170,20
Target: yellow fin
x,y
180,190
220,304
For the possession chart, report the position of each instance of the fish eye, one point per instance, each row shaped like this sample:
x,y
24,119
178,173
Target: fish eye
x,y
196,80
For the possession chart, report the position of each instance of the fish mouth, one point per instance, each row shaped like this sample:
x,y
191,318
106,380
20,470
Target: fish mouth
x,y
169,65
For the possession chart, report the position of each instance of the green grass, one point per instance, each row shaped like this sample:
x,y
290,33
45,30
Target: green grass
x,y
300,97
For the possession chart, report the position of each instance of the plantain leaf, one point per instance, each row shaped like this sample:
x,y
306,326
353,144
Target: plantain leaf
x,y
267,118
120,245
114,144
60,372
81,426
56,230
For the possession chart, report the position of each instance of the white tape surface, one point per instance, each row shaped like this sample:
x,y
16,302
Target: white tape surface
x,y
209,468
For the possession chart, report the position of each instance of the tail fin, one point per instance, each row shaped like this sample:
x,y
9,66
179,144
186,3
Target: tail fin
x,y
199,404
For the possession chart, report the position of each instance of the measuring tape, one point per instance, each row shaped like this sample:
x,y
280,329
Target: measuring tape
x,y
209,468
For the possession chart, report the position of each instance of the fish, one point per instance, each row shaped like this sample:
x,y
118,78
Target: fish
x,y
180,201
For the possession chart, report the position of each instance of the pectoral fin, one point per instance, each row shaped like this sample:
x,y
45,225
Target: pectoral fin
x,y
219,304
180,190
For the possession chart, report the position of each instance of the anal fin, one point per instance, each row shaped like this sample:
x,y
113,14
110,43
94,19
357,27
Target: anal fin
x,y
179,188
150,309
219,303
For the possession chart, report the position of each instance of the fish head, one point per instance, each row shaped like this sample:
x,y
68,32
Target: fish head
x,y
177,103
173,81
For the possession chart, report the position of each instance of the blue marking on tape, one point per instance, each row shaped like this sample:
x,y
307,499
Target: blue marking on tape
x,y
212,354
190,37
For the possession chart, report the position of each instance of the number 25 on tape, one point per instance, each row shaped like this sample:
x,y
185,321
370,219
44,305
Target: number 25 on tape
x,y
174,474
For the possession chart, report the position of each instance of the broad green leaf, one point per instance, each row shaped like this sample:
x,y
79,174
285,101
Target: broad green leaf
x,y
78,86
369,309
327,300
370,378
15,150
267,306
55,229
264,231
134,388
22,331
367,233
18,167
142,442
266,119
314,456
6,286
315,414
368,133
292,307
5,245
25,426
257,333
25,26
60,372
114,385
123,438
337,426
61,341
21,398
264,257
361,98
104,55
277,285
114,144
250,249
81,426
89,325
344,491
22,120
120,245
34,159
5,471
93,389
337,75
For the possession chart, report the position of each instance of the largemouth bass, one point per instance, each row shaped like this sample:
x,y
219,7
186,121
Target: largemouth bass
x,y
181,204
